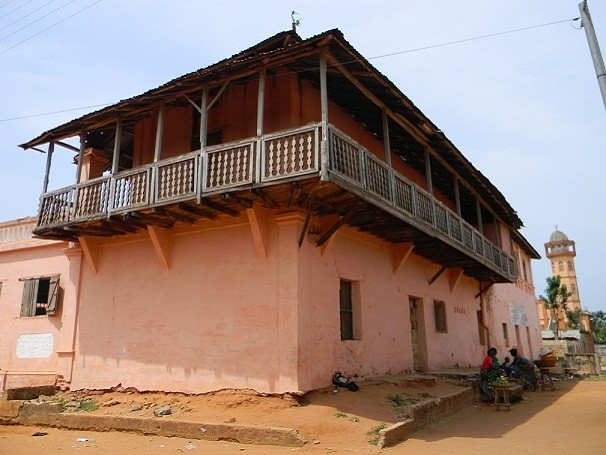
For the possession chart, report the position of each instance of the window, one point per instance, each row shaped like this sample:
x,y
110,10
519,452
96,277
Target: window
x,y
561,266
40,296
570,266
505,334
573,289
552,267
524,270
346,310
439,309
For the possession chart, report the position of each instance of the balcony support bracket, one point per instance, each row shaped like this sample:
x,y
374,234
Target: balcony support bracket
x,y
162,239
331,230
90,248
454,275
437,275
400,254
257,217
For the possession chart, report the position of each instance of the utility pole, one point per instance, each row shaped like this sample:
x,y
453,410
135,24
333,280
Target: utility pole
x,y
594,48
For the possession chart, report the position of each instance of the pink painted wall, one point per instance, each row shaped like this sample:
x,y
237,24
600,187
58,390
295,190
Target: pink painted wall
x,y
45,341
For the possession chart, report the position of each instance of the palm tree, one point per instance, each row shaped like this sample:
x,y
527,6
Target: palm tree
x,y
598,326
557,295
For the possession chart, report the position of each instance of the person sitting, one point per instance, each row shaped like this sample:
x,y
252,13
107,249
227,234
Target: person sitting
x,y
489,371
506,367
523,369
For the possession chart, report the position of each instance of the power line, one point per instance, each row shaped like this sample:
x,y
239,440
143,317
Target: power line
x,y
48,28
17,8
450,43
54,112
27,15
7,3
37,20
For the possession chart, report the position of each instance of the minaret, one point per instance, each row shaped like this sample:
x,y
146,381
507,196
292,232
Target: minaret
x,y
561,253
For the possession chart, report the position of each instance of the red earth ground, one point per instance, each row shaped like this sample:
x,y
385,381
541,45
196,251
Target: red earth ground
x,y
570,419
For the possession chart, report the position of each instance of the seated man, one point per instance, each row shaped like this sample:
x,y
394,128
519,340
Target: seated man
x,y
523,369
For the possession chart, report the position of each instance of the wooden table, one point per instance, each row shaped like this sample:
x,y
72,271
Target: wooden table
x,y
546,378
501,397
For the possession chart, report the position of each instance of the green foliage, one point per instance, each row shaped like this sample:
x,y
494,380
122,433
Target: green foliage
x,y
555,299
88,405
374,432
397,400
598,326
574,318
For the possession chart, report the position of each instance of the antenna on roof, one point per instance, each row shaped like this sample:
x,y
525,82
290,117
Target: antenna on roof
x,y
295,22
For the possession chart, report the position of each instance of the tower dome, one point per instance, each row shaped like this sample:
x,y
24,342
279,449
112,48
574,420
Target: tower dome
x,y
558,236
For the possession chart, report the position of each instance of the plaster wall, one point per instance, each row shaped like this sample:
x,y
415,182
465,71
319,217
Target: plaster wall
x,y
208,322
32,349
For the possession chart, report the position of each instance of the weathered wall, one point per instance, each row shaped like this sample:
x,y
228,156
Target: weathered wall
x,y
33,350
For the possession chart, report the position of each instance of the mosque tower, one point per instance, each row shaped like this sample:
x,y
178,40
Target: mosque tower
x,y
561,253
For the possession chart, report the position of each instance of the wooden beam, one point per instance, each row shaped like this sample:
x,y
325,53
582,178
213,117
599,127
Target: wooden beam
x,y
295,193
257,217
203,118
260,102
184,218
159,133
68,146
454,275
162,239
49,158
117,140
265,198
216,98
304,228
438,273
400,254
237,199
324,157
197,211
218,207
344,219
483,290
90,248
80,155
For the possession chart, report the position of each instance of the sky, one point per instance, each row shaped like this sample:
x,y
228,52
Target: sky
x,y
523,105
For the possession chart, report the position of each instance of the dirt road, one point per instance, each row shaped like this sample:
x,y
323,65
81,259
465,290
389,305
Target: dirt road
x,y
568,420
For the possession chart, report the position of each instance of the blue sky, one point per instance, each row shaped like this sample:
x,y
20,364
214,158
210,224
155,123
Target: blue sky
x,y
523,107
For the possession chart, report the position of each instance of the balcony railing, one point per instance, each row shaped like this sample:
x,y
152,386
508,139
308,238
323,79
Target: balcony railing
x,y
260,161
352,162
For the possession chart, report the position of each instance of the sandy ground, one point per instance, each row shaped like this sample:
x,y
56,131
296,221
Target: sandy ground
x,y
571,418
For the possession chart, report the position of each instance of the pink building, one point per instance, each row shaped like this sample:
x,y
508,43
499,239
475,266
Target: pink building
x,y
264,222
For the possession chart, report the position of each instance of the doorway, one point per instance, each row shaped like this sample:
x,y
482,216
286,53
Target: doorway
x,y
417,334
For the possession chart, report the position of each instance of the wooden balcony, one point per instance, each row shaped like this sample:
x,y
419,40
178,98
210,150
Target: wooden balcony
x,y
279,170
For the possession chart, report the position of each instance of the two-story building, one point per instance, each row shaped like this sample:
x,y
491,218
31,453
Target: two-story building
x,y
267,220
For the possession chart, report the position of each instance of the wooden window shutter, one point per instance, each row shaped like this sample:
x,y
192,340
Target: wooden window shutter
x,y
53,295
28,303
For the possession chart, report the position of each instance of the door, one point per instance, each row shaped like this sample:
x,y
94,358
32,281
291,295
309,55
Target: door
x,y
414,333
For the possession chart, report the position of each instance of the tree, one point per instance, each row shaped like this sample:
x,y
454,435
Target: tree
x,y
597,320
557,295
574,319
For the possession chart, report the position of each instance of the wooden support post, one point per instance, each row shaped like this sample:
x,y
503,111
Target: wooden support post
x,y
159,133
480,226
324,157
203,118
260,102
49,158
80,155
457,195
117,140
